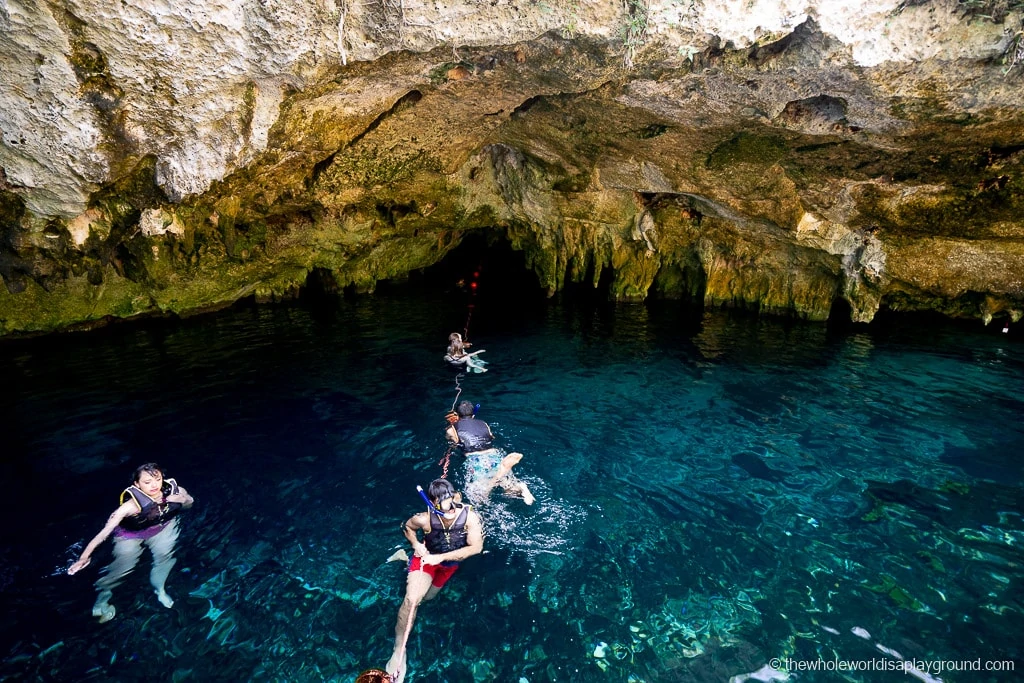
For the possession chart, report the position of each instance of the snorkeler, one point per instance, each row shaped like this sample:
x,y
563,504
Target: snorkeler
x,y
456,355
147,516
451,533
487,466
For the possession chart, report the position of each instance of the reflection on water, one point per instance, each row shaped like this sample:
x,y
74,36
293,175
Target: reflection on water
x,y
712,494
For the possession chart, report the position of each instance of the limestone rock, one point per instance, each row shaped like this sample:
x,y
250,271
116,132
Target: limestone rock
x,y
159,222
781,156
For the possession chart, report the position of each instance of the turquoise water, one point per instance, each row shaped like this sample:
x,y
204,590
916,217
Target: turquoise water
x,y
713,492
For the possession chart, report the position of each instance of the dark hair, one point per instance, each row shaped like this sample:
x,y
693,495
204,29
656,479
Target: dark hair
x,y
374,676
150,468
465,409
440,489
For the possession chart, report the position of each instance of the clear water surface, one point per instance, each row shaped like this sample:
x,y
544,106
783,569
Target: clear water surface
x,y
713,493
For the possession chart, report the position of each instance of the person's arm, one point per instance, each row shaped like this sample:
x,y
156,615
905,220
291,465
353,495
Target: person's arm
x,y
452,434
419,521
474,545
129,508
181,496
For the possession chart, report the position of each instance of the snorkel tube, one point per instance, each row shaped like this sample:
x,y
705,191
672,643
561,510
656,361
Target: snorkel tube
x,y
427,500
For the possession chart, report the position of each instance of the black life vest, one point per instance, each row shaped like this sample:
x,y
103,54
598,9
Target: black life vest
x,y
441,540
473,434
150,512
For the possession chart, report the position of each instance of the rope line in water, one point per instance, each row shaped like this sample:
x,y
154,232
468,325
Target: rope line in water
x,y
458,390
472,298
465,328
445,461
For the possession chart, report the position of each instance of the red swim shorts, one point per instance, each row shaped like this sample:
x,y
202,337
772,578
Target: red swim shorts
x,y
439,572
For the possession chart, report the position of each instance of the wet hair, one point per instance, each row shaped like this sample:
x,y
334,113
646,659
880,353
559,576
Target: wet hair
x,y
440,489
454,337
150,468
374,676
465,409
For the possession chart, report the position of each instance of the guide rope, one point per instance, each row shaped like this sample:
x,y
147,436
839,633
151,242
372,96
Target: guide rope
x,y
473,285
452,417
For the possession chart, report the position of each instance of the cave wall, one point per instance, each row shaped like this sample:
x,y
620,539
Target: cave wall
x,y
777,156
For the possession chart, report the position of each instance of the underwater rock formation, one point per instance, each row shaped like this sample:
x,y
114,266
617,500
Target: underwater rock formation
x,y
174,158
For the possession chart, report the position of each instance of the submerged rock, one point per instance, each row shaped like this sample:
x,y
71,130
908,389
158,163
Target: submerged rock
x,y
756,467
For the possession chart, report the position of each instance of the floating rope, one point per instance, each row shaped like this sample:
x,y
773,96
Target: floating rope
x,y
472,302
452,418
445,461
458,390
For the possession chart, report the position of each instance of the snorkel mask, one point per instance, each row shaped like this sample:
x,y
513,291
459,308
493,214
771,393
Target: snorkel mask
x,y
454,496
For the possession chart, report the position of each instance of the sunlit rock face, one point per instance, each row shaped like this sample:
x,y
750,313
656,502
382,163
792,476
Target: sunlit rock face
x,y
782,156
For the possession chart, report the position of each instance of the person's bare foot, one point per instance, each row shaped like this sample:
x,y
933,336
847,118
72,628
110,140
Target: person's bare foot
x,y
398,556
527,496
508,462
396,667
105,612
165,599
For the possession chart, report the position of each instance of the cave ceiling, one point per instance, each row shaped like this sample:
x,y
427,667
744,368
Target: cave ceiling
x,y
781,176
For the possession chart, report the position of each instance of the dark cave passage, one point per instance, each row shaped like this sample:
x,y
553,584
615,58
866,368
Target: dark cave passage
x,y
484,266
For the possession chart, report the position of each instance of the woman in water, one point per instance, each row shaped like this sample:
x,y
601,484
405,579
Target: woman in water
x,y
147,516
457,356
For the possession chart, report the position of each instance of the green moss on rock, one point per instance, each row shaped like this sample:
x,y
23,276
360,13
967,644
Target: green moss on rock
x,y
747,148
952,212
561,156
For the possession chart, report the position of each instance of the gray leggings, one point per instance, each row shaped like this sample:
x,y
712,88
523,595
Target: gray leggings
x,y
127,552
